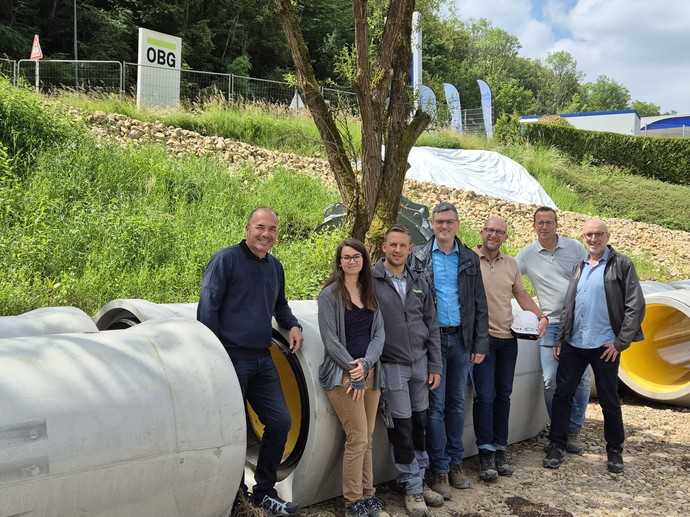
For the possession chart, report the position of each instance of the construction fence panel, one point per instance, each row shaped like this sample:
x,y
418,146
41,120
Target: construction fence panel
x,y
51,74
341,99
195,85
473,121
249,89
7,68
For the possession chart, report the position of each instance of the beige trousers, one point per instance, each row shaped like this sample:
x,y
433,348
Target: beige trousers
x,y
358,419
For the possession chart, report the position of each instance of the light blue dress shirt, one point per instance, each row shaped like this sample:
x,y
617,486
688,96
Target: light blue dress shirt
x,y
591,326
446,285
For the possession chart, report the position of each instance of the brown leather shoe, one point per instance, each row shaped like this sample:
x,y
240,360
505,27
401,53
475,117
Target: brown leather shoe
x,y
415,506
458,479
440,484
432,498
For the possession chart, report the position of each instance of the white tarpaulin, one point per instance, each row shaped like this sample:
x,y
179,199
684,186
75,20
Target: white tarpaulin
x,y
484,172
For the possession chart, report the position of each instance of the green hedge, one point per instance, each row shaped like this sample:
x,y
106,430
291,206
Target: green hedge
x,y
667,159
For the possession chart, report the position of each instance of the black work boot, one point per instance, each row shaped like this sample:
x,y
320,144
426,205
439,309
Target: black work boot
x,y
615,462
502,466
554,457
487,466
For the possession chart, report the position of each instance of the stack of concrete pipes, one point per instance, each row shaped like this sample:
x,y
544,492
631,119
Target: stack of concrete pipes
x,y
141,413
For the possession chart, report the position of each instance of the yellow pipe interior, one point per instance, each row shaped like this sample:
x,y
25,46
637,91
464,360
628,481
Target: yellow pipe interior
x,y
291,392
661,363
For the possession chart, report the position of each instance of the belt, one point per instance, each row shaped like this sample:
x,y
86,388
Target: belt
x,y
449,330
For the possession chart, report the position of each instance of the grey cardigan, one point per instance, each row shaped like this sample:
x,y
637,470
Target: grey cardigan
x,y
337,359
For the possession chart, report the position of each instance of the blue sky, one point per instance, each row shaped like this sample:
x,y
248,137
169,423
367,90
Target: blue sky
x,y
644,44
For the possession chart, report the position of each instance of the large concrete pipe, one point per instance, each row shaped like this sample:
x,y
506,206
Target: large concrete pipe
x,y
141,422
658,368
311,467
48,320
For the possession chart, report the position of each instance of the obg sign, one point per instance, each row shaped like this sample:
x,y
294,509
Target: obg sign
x,y
158,74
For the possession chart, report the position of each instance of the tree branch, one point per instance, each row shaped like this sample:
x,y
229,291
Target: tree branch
x,y
306,81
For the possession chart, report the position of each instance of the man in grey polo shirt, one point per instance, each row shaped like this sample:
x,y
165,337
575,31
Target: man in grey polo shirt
x,y
549,263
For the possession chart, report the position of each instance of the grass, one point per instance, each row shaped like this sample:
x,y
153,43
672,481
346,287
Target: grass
x,y
603,191
84,223
88,223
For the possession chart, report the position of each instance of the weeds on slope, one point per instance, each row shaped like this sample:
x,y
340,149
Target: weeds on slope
x,y
92,223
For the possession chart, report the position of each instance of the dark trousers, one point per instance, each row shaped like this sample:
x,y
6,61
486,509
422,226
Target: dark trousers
x,y
261,387
571,365
493,383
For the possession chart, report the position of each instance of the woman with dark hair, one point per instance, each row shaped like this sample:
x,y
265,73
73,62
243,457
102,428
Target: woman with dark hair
x,y
352,332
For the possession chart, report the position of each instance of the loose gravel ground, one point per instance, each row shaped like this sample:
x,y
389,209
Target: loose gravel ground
x,y
656,481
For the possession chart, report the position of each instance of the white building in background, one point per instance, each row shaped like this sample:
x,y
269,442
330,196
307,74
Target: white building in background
x,y
666,125
625,122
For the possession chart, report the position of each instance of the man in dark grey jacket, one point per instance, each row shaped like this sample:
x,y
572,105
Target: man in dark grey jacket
x,y
604,309
453,273
411,362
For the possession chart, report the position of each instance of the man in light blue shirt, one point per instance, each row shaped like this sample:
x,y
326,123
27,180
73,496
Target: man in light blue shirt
x,y
604,308
454,274
448,301
591,326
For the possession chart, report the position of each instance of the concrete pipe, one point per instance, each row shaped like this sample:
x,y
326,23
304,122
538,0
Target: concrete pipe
x,y
658,368
311,468
143,422
48,320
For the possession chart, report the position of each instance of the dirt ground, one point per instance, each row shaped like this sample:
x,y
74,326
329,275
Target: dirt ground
x,y
656,481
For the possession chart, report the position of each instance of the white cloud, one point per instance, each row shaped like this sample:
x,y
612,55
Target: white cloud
x,y
640,43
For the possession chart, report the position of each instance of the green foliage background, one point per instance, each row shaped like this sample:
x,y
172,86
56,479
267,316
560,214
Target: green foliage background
x,y
244,37
666,159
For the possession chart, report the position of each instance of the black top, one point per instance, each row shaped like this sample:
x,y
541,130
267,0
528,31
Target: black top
x,y
358,330
240,293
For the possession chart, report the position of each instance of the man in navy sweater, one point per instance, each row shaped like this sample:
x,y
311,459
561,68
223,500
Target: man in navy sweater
x,y
243,287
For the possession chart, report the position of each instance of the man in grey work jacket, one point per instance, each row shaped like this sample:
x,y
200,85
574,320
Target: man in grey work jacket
x,y
411,362
604,309
243,287
452,270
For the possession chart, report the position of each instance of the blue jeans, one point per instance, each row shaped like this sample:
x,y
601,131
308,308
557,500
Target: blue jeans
x,y
447,405
493,383
549,367
261,388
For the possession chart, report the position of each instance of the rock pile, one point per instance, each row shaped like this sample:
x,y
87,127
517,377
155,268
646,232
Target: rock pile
x,y
670,249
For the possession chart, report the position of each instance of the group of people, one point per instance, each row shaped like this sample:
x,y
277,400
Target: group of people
x,y
405,337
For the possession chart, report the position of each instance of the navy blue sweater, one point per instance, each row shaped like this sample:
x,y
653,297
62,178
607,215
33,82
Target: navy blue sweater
x,y
240,292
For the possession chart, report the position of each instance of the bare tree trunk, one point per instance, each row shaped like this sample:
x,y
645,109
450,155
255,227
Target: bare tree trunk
x,y
384,99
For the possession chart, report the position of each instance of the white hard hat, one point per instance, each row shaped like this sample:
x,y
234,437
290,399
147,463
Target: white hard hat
x,y
525,325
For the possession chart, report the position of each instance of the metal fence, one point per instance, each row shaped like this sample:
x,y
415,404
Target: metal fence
x,y
54,74
7,68
194,85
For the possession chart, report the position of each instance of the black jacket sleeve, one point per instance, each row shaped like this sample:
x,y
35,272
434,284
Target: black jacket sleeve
x,y
633,299
481,317
433,343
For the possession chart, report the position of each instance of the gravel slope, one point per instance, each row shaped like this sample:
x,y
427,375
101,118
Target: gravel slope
x,y
670,248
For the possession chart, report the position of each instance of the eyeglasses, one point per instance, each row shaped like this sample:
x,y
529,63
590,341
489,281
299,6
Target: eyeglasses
x,y
351,258
545,223
496,231
444,222
594,235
